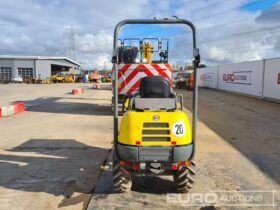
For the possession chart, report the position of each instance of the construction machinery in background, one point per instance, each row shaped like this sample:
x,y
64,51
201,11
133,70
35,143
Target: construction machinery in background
x,y
94,76
62,78
106,77
109,78
184,80
35,80
155,136
57,78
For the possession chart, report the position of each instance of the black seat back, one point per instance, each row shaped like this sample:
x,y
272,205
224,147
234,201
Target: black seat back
x,y
155,87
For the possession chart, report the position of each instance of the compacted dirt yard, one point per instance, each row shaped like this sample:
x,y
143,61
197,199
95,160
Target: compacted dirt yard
x,y
238,155
51,155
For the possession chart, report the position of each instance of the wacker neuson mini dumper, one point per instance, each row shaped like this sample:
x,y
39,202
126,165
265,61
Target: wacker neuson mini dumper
x,y
155,136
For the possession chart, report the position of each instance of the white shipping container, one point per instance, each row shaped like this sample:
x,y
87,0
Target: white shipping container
x,y
245,78
272,79
208,77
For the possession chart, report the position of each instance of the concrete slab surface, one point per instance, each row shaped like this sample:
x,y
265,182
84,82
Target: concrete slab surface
x,y
51,155
238,154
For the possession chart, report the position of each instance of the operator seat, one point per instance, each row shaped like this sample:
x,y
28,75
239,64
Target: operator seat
x,y
155,87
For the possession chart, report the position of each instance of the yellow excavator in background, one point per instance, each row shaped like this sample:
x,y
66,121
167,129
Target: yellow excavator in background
x,y
60,78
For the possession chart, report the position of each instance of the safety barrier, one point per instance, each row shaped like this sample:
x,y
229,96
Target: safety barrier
x,y
19,107
96,86
78,91
254,78
14,108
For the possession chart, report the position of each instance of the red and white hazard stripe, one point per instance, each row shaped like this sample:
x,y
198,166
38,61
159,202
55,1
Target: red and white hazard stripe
x,y
130,75
78,90
11,109
96,86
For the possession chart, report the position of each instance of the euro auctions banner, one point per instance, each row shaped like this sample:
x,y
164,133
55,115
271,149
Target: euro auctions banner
x,y
272,79
243,78
208,77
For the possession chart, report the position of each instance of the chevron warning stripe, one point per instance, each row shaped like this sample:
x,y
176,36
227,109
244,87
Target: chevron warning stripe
x,y
130,75
11,109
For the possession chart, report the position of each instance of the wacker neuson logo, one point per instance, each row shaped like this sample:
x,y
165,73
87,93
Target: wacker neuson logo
x,y
258,198
238,77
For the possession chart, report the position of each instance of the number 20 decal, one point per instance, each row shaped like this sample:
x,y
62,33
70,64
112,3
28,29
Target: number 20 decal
x,y
179,129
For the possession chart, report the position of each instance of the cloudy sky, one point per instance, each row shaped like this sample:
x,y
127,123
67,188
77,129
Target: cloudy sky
x,y
228,30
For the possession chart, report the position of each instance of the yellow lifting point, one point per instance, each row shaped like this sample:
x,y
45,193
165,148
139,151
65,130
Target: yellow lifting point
x,y
147,53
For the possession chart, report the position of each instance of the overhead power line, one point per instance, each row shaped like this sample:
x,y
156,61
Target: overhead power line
x,y
229,10
216,14
236,21
276,28
230,50
208,6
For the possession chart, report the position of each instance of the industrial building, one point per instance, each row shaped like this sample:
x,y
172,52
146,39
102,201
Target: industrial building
x,y
40,67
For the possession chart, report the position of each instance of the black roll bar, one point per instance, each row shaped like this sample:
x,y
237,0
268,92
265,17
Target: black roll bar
x,y
115,76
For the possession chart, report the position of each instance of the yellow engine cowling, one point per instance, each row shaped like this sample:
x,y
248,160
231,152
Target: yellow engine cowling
x,y
155,129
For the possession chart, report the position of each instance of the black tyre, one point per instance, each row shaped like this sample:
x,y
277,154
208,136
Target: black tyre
x,y
121,178
184,178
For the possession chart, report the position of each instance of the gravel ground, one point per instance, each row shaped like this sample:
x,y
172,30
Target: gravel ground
x,y
238,154
51,155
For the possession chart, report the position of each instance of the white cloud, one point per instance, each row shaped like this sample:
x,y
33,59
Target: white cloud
x,y
99,61
229,33
95,43
39,27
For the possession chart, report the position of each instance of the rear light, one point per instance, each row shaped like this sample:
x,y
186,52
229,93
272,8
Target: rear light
x,y
135,166
138,142
174,166
125,163
173,142
185,163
